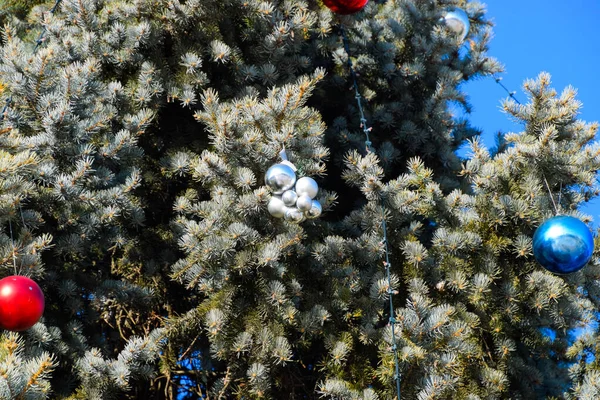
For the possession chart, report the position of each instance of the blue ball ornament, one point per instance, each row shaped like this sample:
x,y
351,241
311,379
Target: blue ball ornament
x,y
563,244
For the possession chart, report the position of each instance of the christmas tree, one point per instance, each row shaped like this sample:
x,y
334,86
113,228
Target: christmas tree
x,y
136,136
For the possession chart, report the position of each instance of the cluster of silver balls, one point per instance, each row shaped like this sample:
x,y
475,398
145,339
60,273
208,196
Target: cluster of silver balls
x,y
293,199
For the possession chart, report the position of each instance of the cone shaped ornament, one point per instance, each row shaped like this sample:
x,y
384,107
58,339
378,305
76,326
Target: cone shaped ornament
x,y
458,22
563,244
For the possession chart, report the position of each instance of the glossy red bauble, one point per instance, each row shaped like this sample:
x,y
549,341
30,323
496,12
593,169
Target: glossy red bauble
x,y
21,303
345,7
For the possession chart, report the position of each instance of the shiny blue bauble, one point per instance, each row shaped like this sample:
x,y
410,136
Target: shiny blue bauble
x,y
563,244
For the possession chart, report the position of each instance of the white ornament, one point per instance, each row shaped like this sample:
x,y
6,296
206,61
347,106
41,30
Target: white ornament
x,y
308,186
289,197
304,203
276,207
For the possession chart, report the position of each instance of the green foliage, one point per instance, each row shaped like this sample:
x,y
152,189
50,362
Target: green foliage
x,y
24,370
17,8
131,165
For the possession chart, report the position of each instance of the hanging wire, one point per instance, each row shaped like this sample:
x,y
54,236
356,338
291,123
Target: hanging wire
x,y
12,246
22,217
551,196
554,203
357,96
511,94
386,263
560,195
38,42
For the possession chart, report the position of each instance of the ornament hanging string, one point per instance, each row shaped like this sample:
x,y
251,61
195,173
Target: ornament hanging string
x,y
387,264
551,196
554,204
38,43
12,242
12,246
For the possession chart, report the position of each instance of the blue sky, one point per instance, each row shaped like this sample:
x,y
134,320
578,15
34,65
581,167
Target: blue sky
x,y
530,36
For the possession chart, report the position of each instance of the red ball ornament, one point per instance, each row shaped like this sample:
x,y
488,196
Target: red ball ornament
x,y
345,7
21,303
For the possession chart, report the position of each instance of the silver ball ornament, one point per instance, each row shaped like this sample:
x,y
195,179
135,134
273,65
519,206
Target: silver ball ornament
x,y
304,203
315,209
280,177
289,197
293,215
276,207
308,186
457,21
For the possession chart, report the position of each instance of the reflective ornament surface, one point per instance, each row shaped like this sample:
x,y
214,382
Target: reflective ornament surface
x,y
563,244
289,197
293,215
308,186
292,198
276,207
315,209
21,303
280,177
458,21
345,7
304,203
